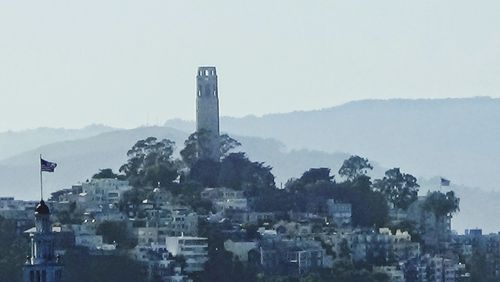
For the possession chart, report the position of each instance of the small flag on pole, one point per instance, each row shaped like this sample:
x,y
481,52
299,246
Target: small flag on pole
x,y
47,166
445,182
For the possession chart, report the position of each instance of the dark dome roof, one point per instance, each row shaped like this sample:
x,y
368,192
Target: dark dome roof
x,y
42,208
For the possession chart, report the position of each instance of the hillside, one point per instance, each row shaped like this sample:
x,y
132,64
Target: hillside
x,y
16,142
454,138
80,159
77,160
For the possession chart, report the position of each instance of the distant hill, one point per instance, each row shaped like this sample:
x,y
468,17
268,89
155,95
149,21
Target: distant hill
x,y
79,159
16,142
454,138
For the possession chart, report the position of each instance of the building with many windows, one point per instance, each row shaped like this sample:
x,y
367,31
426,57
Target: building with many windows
x,y
193,249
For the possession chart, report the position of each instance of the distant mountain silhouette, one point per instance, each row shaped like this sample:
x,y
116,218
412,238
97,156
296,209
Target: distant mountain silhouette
x,y
79,159
15,142
454,138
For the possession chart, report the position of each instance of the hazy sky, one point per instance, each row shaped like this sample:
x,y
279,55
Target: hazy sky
x,y
125,63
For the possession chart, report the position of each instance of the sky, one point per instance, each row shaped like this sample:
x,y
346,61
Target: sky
x,y
129,63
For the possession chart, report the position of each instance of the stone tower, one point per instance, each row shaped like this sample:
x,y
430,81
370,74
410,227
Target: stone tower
x,y
207,110
42,265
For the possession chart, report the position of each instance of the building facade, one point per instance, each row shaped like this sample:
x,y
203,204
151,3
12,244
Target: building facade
x,y
193,249
43,265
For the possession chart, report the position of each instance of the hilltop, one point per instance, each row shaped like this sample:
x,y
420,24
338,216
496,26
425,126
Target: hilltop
x,y
453,138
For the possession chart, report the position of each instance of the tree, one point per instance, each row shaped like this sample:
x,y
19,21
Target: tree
x,y
115,232
400,189
227,144
206,172
80,266
150,161
107,173
71,216
198,145
442,204
315,181
354,167
14,249
238,172
132,198
369,207
314,175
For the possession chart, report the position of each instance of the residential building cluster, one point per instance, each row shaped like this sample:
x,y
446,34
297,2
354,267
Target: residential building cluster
x,y
167,240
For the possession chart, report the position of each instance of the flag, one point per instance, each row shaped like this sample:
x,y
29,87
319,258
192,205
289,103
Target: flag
x,y
445,182
47,166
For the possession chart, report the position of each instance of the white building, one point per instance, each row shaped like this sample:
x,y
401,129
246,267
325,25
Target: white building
x,y
104,191
182,221
193,249
234,204
225,198
221,193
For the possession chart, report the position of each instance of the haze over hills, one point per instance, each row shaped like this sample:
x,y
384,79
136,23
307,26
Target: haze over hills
x,y
15,142
453,138
79,159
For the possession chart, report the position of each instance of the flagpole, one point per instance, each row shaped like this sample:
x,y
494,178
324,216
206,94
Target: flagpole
x,y
41,182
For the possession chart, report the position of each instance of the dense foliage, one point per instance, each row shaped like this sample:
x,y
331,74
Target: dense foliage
x,y
198,145
442,204
80,266
310,192
222,266
400,189
150,162
354,167
150,165
115,233
107,173
13,251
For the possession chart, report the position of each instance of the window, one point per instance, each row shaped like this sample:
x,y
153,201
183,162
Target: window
x,y
58,275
